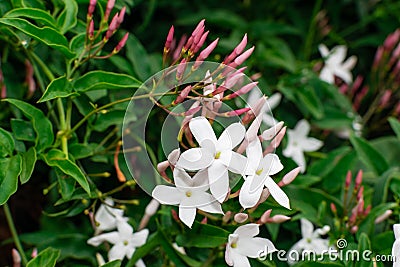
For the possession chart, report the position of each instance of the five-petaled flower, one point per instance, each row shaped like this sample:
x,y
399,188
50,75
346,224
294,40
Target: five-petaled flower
x,y
299,142
190,193
334,65
258,173
215,155
106,216
243,243
311,240
124,241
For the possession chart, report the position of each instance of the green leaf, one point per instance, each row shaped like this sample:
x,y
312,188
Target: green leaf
x,y
28,164
368,155
47,258
96,80
68,17
23,130
395,126
364,245
57,158
67,185
115,263
36,14
6,143
10,168
138,58
41,124
58,88
203,236
307,97
45,34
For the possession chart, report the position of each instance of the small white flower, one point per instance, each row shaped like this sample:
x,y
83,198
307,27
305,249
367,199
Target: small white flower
x,y
396,246
299,142
189,193
216,156
271,103
334,65
311,240
243,243
258,174
106,217
124,241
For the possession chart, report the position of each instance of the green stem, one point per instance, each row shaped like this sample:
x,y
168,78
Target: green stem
x,y
311,31
14,233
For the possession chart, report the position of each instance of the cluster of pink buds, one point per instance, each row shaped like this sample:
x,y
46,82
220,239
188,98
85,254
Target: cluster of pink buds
x,y
354,207
93,36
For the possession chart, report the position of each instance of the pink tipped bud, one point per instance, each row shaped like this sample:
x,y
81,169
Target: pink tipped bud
x,y
244,90
353,217
264,195
237,50
198,28
207,51
110,6
181,69
201,42
240,217
278,138
152,207
360,206
204,221
383,217
175,215
367,210
358,179
91,30
112,27
121,43
182,96
168,42
279,218
344,88
92,6
360,193
348,180
121,16
378,57
385,98
396,111
391,40
174,156
354,229
34,252
289,177
271,132
192,111
242,58
237,112
162,166
357,84
266,216
333,208
16,258
227,216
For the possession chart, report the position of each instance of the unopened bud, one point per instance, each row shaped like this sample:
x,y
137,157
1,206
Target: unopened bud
x,y
360,193
200,43
289,177
175,215
279,218
378,57
91,30
354,229
237,50
383,217
242,58
265,217
181,69
348,180
358,179
183,95
121,16
237,112
110,6
244,90
241,217
264,195
174,156
92,5
271,132
169,39
333,208
227,216
391,40
111,28
16,258
385,98
204,221
121,43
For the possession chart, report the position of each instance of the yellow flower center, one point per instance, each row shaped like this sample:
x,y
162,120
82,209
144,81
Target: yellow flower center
x,y
217,155
188,194
258,172
233,245
125,243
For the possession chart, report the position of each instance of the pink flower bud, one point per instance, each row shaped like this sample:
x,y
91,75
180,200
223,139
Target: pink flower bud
x,y
236,51
175,215
391,40
367,210
91,30
348,180
378,57
360,206
29,80
152,207
182,96
198,28
289,177
383,217
244,90
162,166
179,48
204,221
265,217
279,218
271,132
385,98
242,58
227,216
207,51
110,6
333,208
112,27
356,84
344,88
174,156
358,179
121,43
397,109
92,5
278,138
16,258
237,112
121,16
3,91
240,217
34,252
264,195
354,229
181,69
360,193
169,39
192,111
201,42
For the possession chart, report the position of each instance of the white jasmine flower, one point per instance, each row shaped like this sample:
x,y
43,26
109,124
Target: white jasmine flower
x,y
258,174
124,241
299,142
396,246
189,193
216,156
334,65
243,243
271,103
311,240
106,216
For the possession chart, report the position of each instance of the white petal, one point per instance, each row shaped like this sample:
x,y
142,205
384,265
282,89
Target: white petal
x,y
350,63
252,132
187,215
228,257
234,161
210,204
200,180
323,50
140,263
124,228
277,193
307,228
112,237
396,253
139,238
219,180
239,260
326,75
271,164
117,252
254,95
344,74
274,100
298,157
231,137
182,179
195,159
254,156
167,195
396,230
311,144
247,199
271,132
253,247
268,119
338,54
302,129
202,130
247,230
129,250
